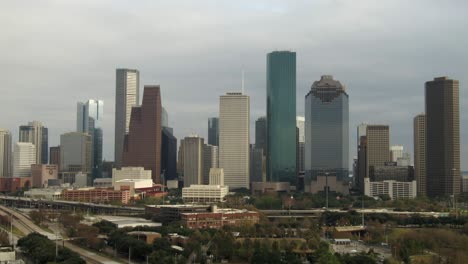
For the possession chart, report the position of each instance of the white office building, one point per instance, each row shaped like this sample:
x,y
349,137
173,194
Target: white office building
x,y
394,189
204,193
217,176
234,139
24,155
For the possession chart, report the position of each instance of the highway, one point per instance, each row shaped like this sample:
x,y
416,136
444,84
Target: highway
x,y
25,225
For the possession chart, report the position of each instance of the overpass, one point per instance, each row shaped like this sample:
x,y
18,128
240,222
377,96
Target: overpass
x,y
313,213
24,202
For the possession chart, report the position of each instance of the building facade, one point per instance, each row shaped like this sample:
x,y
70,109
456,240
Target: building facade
x,y
378,146
442,137
42,173
210,160
75,152
54,156
260,133
96,195
131,173
168,154
204,193
216,176
24,155
281,117
89,120
35,133
143,142
5,153
126,96
396,152
326,130
213,131
234,139
193,160
394,189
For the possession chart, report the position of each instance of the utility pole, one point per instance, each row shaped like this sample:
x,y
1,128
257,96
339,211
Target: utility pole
x,y
129,255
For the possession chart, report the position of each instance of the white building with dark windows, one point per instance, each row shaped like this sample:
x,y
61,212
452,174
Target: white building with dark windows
x,y
394,189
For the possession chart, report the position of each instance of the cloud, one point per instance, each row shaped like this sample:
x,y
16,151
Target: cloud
x,y
55,53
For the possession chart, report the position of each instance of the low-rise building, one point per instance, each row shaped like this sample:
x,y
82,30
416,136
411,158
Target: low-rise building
x,y
204,193
133,173
102,183
394,189
218,218
334,185
170,213
132,184
269,187
13,184
96,195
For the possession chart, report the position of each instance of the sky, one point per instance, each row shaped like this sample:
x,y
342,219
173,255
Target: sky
x,y
56,53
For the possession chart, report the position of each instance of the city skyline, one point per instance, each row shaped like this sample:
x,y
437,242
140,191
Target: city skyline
x,y
402,87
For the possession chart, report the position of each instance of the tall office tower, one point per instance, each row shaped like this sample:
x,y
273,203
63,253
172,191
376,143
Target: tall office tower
x,y
361,131
326,130
260,133
378,145
396,152
300,123
180,160
442,137
164,117
234,139
89,119
126,96
5,153
168,154
54,156
213,131
193,160
257,162
210,160
24,155
361,164
76,152
419,125
34,132
142,146
281,117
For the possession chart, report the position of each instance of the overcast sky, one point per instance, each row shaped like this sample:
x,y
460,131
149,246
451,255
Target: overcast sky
x,y
56,53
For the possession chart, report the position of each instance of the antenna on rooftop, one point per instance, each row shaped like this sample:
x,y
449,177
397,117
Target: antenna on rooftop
x,y
242,81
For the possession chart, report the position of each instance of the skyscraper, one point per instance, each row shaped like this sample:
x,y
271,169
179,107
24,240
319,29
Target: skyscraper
x,y
193,160
24,155
142,146
281,117
210,160
260,133
5,153
442,137
126,96
419,125
378,146
169,154
234,139
89,119
326,130
34,132
180,160
76,152
213,131
300,124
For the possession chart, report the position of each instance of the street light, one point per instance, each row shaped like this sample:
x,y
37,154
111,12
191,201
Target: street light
x,y
326,190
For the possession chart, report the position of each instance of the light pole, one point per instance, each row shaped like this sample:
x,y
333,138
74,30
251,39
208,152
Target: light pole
x,y
326,190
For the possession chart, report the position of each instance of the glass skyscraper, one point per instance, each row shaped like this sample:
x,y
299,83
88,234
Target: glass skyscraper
x,y
213,131
281,117
326,130
88,120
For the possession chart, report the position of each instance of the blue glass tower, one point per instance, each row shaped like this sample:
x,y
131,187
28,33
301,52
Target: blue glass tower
x,y
326,130
281,117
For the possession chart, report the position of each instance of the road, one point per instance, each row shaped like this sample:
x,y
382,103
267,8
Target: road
x,y
26,226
